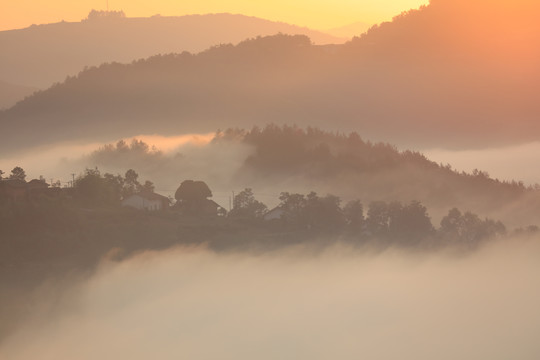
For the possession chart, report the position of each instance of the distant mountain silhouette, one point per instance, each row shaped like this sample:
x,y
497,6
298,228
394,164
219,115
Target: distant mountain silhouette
x,y
445,75
11,93
43,54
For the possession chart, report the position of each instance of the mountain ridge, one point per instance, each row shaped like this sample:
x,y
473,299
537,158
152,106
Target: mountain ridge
x,y
407,82
41,55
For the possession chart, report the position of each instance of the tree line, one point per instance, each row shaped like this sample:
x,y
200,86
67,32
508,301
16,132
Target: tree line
x,y
386,222
407,224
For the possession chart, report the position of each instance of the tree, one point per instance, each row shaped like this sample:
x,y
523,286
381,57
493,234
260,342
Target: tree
x,y
192,198
192,191
1,174
323,213
93,189
409,224
131,183
378,218
468,229
18,174
245,205
354,215
293,206
312,211
148,186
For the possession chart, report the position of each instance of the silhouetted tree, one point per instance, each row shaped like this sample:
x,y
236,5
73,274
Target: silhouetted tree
x,y
409,224
354,215
93,189
246,206
18,174
468,229
323,214
1,174
192,197
131,183
148,186
191,190
293,206
378,218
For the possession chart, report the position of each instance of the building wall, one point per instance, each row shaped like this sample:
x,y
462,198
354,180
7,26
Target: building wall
x,y
140,203
274,214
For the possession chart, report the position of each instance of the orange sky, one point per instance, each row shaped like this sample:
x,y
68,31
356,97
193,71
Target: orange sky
x,y
317,14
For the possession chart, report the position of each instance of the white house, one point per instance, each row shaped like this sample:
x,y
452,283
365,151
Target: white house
x,y
146,201
274,214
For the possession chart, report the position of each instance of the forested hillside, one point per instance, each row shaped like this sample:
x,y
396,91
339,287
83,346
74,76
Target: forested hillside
x,y
418,81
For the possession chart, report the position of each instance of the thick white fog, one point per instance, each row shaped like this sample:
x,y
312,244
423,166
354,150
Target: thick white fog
x,y
59,161
295,304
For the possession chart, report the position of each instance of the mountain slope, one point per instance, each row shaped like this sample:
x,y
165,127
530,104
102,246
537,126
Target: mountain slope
x,y
44,54
415,82
274,159
11,93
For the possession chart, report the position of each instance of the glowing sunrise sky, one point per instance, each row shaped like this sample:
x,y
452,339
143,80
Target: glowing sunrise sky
x,y
316,14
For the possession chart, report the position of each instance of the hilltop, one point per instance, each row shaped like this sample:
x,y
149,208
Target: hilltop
x,y
41,55
418,81
274,159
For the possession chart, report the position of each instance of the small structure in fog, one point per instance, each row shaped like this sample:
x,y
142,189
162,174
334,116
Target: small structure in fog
x,y
274,214
148,201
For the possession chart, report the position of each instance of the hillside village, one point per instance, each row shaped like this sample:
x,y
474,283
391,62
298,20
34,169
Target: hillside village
x,y
302,216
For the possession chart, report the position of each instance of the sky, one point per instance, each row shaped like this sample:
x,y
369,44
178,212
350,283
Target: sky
x,y
316,14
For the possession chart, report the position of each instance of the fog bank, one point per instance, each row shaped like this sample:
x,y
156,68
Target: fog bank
x,y
505,163
195,304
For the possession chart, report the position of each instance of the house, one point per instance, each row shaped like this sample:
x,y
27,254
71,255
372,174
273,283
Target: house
x,y
274,214
37,188
199,208
149,201
37,184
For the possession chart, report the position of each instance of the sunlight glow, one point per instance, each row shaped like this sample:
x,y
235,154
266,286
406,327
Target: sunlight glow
x,y
316,14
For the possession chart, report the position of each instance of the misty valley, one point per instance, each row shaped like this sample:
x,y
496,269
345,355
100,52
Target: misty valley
x,y
223,186
63,233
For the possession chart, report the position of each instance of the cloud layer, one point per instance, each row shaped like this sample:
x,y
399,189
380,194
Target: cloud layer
x,y
195,304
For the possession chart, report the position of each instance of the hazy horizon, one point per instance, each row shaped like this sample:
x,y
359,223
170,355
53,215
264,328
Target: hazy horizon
x,y
322,15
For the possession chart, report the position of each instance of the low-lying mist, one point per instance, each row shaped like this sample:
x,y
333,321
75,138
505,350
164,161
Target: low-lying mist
x,y
506,163
191,303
